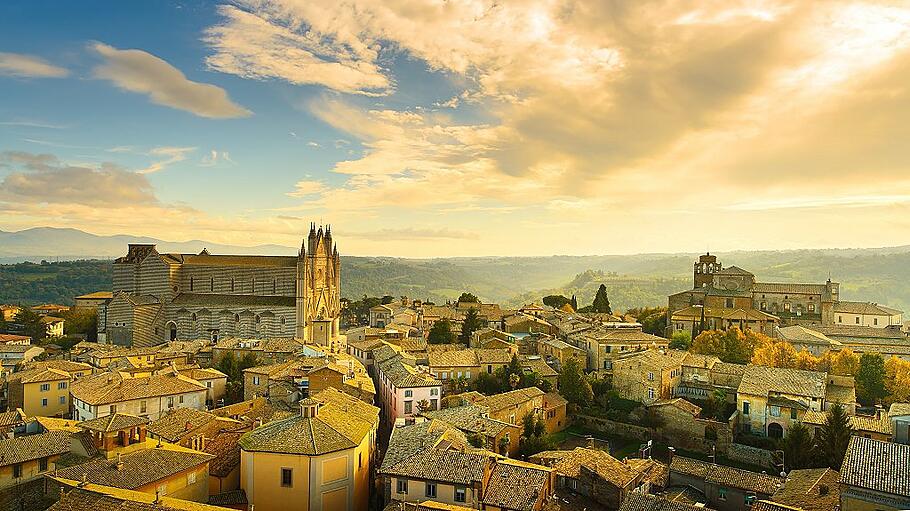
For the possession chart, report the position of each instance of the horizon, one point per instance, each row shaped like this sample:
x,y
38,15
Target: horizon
x,y
479,256
624,128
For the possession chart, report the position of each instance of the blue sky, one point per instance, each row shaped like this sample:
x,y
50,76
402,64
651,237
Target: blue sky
x,y
463,128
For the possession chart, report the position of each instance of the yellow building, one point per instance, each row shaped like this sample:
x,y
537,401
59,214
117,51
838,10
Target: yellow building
x,y
771,399
76,496
25,458
319,459
43,392
648,376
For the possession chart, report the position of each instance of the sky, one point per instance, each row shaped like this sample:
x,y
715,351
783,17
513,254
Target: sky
x,y
428,128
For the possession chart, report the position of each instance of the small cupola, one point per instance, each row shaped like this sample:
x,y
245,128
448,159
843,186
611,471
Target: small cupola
x,y
309,408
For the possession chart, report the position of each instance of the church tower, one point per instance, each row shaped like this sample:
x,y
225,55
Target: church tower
x,y
704,270
318,300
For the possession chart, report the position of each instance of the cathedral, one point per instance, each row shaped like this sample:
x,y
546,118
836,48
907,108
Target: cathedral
x,y
162,297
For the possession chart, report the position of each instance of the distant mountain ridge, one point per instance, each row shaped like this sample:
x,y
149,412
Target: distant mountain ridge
x,y
52,244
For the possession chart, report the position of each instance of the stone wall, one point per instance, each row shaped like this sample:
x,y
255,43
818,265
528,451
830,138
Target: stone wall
x,y
612,427
685,431
751,455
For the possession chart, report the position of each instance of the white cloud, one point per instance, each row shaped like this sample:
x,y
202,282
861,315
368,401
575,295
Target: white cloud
x,y
141,72
165,157
307,188
29,66
266,43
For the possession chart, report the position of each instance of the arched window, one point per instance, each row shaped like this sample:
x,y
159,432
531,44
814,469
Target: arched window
x,y
283,320
191,283
258,319
194,316
253,285
232,284
236,318
274,286
212,284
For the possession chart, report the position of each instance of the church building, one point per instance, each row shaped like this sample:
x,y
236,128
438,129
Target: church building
x,y
162,297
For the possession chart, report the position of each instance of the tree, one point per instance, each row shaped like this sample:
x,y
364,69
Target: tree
x,y
387,299
680,340
601,302
556,301
870,379
441,333
732,345
797,447
832,440
468,298
775,354
533,437
653,319
423,405
32,324
81,321
806,361
897,382
472,323
844,363
574,386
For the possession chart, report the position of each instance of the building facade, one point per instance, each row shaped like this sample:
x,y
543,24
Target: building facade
x,y
165,297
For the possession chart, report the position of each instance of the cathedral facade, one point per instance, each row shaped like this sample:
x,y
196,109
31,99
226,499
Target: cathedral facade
x,y
160,297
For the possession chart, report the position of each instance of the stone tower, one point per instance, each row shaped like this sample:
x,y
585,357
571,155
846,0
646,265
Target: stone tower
x,y
705,269
318,288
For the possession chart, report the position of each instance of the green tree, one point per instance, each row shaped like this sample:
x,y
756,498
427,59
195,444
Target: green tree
x,y
81,321
574,386
601,302
832,440
870,379
797,447
468,298
556,301
472,323
441,333
31,323
387,299
488,384
680,340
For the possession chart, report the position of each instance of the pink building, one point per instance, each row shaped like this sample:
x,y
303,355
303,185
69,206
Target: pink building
x,y
402,389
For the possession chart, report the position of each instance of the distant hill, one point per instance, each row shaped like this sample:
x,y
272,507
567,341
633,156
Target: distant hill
x,y
54,244
878,274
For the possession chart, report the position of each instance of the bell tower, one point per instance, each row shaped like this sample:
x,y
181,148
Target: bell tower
x,y
704,270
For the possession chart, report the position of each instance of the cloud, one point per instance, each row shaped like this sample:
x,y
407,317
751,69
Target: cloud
x,y
215,157
29,66
165,156
307,188
43,179
33,124
262,43
141,72
413,234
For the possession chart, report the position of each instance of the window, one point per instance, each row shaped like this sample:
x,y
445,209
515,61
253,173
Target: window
x,y
255,380
775,411
793,413
811,307
194,316
840,319
287,477
745,408
62,400
208,384
42,465
650,393
45,387
650,376
408,406
434,392
180,399
728,303
409,393
607,348
764,305
856,320
191,478
212,284
460,493
61,385
875,321
402,486
44,402
722,493
191,286
467,374
170,401
489,369
431,490
787,306
143,408
433,403
17,470
232,284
